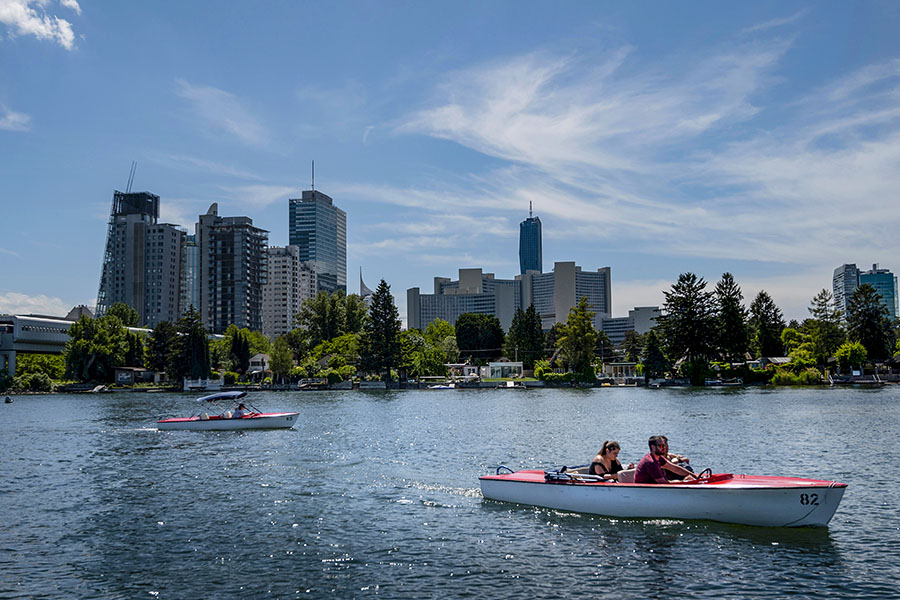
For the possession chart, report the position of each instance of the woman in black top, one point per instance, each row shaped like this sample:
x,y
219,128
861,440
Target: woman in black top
x,y
606,464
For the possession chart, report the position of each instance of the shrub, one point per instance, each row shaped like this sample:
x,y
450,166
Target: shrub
x,y
231,377
541,367
33,382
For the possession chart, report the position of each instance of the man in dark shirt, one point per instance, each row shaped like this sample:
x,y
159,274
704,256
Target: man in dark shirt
x,y
650,468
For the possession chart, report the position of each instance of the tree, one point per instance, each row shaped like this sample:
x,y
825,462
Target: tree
x,y
355,314
479,336
282,358
238,348
161,346
525,340
689,324
604,348
825,331
632,345
134,354
868,322
127,315
95,348
653,358
551,337
327,316
849,355
732,338
578,341
191,358
766,324
382,332
52,365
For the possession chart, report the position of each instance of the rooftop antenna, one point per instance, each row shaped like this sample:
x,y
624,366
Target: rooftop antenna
x,y
313,175
529,209
131,177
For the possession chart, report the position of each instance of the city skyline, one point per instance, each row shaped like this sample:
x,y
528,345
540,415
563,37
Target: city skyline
x,y
762,140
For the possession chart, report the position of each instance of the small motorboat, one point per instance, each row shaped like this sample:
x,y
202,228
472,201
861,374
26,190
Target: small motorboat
x,y
744,499
228,403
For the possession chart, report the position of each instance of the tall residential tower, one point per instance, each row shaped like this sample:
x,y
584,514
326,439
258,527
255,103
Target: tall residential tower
x,y
142,264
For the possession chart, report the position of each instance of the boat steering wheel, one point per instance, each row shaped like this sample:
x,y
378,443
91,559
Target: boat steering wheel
x,y
705,473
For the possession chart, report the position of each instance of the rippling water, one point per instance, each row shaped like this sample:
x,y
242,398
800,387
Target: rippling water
x,y
376,494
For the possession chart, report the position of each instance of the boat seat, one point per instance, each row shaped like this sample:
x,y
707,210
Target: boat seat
x,y
626,476
227,414
204,417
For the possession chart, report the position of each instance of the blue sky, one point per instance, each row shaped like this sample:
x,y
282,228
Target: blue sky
x,y
655,138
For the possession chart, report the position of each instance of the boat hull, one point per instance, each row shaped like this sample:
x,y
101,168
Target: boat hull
x,y
257,421
743,499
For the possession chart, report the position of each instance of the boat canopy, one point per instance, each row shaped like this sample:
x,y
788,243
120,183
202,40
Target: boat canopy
x,y
222,396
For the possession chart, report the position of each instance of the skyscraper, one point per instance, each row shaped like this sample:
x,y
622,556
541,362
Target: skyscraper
x,y
319,229
843,283
142,263
530,255
233,268
885,283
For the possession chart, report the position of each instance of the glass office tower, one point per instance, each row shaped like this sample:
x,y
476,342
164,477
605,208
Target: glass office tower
x,y
530,256
319,229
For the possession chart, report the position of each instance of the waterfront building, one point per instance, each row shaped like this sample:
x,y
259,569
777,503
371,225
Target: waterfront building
x,y
639,320
365,292
289,282
319,229
530,253
190,274
843,283
233,270
553,295
142,262
885,283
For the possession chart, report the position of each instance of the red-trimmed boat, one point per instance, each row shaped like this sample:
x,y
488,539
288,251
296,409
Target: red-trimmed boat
x,y
744,499
226,420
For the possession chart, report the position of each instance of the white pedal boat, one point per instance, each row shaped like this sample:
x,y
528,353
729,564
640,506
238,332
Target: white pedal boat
x,y
225,421
744,499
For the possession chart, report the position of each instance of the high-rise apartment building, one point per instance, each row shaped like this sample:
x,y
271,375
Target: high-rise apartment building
x,y
233,267
319,229
142,263
843,283
885,283
190,275
530,253
289,283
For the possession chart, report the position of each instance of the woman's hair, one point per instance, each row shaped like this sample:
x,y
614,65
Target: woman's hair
x,y
609,445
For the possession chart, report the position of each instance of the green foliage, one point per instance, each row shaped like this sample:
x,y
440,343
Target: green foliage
x,y
578,340
33,382
282,358
128,316
851,354
697,370
525,340
53,365
479,336
161,346
541,368
868,322
653,357
231,377
689,324
604,347
633,346
326,317
766,323
95,348
732,337
807,376
134,355
238,343
552,336
191,359
380,351
439,330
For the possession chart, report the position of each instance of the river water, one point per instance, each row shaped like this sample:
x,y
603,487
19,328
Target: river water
x,y
376,494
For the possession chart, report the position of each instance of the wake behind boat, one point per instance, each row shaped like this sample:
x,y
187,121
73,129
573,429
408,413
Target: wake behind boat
x,y
744,499
227,403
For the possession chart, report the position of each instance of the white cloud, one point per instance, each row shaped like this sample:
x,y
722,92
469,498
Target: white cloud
x,y
16,303
781,22
191,162
222,110
29,17
14,121
260,196
9,252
